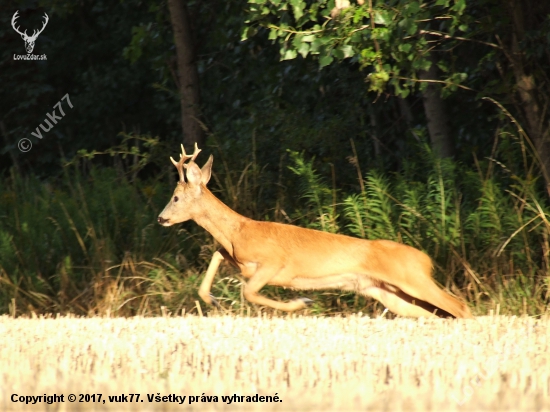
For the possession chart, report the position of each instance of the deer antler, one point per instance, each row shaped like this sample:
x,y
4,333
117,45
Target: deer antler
x,y
183,157
37,32
13,19
196,152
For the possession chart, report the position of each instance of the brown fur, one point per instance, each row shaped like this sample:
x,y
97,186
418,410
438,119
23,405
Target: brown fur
x,y
397,275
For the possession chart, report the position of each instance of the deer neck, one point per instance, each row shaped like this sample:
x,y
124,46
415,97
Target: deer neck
x,y
219,220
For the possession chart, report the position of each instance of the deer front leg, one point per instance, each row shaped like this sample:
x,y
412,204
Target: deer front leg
x,y
204,290
206,285
260,278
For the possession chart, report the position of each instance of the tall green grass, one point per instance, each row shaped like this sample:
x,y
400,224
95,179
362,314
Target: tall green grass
x,y
486,232
87,242
68,242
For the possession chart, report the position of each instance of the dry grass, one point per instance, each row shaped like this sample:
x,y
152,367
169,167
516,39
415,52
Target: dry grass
x,y
353,363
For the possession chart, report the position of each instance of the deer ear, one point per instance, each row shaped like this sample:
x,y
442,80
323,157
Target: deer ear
x,y
193,174
207,170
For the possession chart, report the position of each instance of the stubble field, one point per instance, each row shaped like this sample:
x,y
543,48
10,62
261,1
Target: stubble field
x,y
295,363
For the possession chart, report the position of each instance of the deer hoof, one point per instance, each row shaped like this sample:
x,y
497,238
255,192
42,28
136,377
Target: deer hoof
x,y
307,301
214,301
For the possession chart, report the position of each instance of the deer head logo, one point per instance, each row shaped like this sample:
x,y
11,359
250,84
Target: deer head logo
x,y
29,40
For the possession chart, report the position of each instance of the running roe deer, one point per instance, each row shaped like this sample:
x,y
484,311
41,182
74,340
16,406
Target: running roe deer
x,y
397,275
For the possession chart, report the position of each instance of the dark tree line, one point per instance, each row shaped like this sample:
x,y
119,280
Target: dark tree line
x,y
179,70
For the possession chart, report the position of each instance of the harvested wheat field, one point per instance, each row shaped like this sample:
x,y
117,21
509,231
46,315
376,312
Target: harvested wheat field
x,y
275,364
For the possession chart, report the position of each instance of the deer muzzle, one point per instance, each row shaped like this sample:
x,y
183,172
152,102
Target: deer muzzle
x,y
163,221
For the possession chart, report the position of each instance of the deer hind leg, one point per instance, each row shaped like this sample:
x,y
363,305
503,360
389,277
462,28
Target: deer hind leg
x,y
204,290
391,297
403,304
425,287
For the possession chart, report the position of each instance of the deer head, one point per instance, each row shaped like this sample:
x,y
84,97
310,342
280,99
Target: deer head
x,y
29,40
185,203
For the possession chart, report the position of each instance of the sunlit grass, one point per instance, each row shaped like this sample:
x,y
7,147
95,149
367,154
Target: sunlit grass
x,y
311,363
88,243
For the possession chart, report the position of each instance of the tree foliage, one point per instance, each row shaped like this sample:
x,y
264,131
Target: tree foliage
x,y
391,39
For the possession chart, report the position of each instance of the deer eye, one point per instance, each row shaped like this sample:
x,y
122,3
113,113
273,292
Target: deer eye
x,y
176,199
